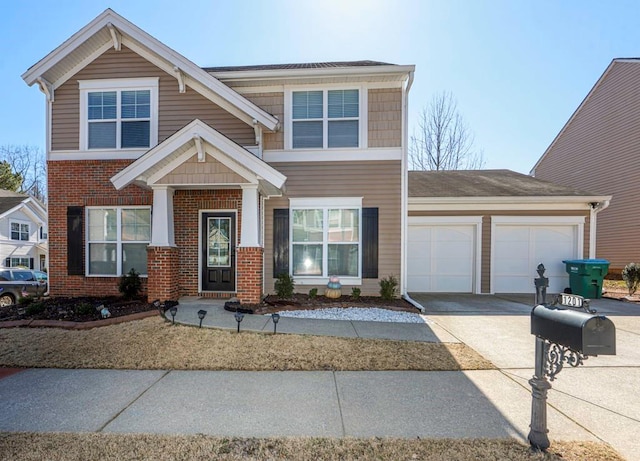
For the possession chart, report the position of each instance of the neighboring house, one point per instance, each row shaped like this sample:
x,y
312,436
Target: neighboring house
x,y
598,149
23,231
486,231
212,181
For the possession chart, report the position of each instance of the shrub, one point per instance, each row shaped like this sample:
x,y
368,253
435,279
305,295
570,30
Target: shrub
x,y
355,293
313,293
24,300
34,308
130,284
284,286
631,276
84,308
388,287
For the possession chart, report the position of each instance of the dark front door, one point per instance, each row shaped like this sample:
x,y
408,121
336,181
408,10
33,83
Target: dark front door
x,y
218,252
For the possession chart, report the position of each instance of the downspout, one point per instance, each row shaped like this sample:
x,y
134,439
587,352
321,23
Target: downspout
x,y
595,208
404,185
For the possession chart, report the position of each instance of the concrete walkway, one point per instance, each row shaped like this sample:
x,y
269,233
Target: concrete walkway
x,y
217,317
596,402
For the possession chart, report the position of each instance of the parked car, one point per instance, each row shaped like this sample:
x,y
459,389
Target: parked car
x,y
18,283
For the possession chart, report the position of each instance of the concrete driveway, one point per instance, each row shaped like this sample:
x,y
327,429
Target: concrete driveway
x,y
601,395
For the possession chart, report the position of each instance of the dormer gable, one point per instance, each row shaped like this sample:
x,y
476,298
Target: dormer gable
x,y
111,31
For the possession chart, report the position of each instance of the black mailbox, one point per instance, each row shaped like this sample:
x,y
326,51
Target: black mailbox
x,y
579,331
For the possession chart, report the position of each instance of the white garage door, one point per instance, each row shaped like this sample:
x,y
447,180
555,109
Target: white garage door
x,y
441,258
518,250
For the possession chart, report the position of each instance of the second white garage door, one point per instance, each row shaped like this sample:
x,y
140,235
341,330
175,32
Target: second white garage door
x,y
441,257
519,248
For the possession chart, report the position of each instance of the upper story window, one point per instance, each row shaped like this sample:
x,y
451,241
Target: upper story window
x,y
119,114
20,231
322,119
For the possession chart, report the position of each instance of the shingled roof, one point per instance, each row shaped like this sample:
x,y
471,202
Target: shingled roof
x,y
9,199
307,65
485,183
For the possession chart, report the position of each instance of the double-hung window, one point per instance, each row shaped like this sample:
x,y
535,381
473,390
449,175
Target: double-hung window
x,y
325,119
326,238
117,240
20,231
119,114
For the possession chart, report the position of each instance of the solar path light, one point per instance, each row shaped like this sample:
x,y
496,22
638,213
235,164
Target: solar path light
x,y
201,314
239,316
173,311
275,318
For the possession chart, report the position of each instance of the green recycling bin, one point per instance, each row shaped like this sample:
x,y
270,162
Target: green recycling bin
x,y
586,276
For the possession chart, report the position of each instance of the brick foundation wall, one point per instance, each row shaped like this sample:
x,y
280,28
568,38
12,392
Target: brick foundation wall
x,y
249,283
83,183
163,265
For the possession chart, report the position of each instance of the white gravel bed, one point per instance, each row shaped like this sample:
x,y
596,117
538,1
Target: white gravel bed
x,y
371,314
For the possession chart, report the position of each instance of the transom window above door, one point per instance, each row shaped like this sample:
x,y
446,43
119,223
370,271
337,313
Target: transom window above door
x,y
325,119
118,114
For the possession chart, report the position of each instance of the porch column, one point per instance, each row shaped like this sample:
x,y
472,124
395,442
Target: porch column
x,y
250,228
162,234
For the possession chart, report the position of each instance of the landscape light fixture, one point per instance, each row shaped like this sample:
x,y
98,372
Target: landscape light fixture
x,y
173,311
239,316
201,314
275,318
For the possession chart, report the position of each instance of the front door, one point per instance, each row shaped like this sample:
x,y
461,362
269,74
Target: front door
x,y
218,252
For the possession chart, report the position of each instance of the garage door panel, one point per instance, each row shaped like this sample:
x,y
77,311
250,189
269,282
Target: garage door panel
x,y
440,258
516,259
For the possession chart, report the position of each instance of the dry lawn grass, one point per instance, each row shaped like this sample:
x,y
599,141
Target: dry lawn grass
x,y
82,447
153,344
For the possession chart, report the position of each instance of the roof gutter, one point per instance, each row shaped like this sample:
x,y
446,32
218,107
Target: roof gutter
x,y
596,207
404,203
392,69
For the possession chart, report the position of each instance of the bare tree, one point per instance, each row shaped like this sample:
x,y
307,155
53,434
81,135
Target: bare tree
x,y
442,140
28,162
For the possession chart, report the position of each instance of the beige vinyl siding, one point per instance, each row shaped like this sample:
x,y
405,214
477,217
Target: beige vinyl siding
x,y
598,151
379,185
272,103
209,172
175,109
385,117
485,261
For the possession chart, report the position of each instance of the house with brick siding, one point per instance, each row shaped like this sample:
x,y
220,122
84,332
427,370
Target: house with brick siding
x,y
213,181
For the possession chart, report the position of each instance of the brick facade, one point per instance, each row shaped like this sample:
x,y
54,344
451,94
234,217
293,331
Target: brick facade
x,y
163,268
250,265
83,183
173,272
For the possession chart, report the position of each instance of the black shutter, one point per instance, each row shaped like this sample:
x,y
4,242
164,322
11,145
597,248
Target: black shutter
x,y
280,241
31,263
75,264
369,243
7,262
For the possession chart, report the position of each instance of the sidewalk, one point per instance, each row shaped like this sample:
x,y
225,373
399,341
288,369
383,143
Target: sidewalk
x,y
403,404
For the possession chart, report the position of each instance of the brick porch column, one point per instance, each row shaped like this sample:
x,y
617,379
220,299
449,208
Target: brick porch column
x,y
162,267
249,270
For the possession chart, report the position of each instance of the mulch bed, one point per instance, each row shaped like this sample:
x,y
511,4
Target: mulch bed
x,y
300,301
81,309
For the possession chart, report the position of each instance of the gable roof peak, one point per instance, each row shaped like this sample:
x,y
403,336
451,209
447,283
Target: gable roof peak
x,y
108,30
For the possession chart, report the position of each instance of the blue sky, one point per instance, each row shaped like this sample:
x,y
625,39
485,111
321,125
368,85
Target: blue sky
x,y
518,69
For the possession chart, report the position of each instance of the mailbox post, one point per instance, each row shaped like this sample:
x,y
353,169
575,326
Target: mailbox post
x,y
564,334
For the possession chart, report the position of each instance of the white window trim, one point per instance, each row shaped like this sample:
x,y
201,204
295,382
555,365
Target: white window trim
x,y
12,258
119,85
363,110
326,203
18,221
117,241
